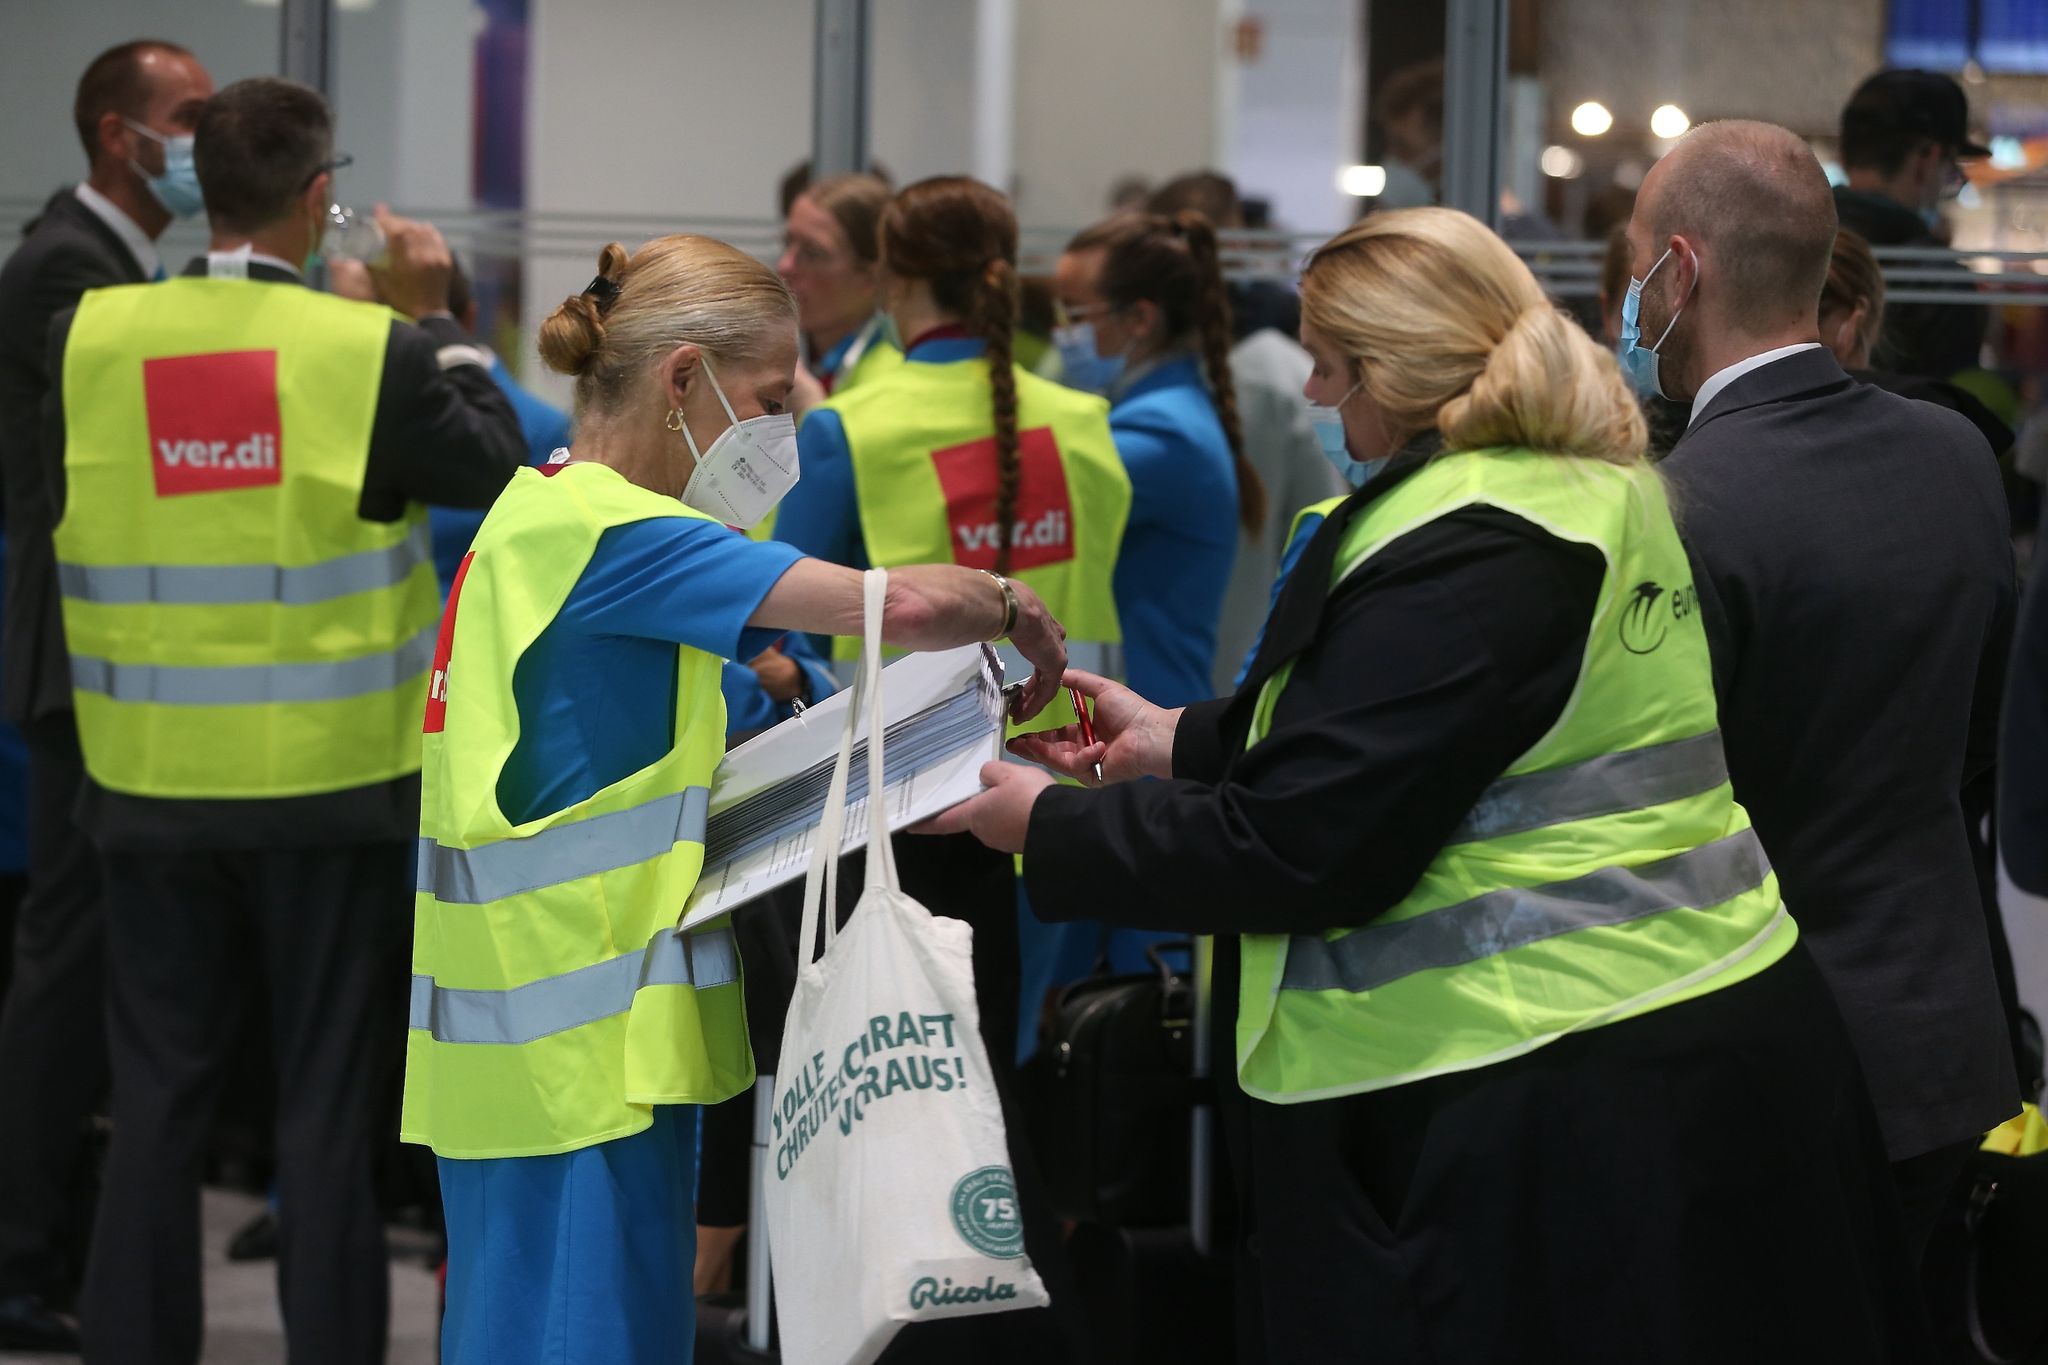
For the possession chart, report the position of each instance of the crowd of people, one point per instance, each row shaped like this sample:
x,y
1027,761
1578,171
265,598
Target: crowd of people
x,y
1579,741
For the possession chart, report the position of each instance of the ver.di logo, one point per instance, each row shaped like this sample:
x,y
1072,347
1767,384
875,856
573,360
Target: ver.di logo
x,y
985,1212
1643,627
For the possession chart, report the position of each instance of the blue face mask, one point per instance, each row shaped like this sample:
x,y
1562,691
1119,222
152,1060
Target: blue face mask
x,y
177,189
1081,367
1639,362
1329,428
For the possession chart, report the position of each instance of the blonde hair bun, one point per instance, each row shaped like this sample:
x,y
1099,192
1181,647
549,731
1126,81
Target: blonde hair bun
x,y
574,333
675,291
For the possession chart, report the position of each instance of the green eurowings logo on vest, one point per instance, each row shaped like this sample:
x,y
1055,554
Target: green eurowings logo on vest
x,y
1646,620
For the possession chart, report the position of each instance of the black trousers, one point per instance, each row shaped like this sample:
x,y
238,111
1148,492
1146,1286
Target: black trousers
x,y
1698,1185
53,1050
193,941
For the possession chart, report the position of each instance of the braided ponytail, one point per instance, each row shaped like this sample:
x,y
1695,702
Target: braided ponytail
x,y
994,320
1176,264
1212,318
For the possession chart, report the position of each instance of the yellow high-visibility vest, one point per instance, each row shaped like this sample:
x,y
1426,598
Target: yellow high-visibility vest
x,y
236,628
922,440
1608,872
553,1002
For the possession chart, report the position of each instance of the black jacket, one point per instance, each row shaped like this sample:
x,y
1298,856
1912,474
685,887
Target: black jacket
x,y
1851,553
440,434
1934,340
1441,660
67,251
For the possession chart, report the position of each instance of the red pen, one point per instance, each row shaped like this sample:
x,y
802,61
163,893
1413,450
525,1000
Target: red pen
x,y
1087,726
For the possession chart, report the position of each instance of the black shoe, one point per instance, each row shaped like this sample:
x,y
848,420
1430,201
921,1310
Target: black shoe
x,y
29,1324
257,1239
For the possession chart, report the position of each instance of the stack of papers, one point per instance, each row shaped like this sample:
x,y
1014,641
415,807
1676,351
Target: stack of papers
x,y
942,718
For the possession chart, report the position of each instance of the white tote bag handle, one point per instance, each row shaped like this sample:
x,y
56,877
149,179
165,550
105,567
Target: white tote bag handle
x,y
821,880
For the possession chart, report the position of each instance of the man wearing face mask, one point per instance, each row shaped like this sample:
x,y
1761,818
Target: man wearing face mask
x,y
1855,577
134,112
236,469
1904,135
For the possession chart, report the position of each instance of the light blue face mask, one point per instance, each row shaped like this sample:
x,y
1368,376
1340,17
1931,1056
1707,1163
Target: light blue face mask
x,y
1329,428
1081,366
1639,362
177,189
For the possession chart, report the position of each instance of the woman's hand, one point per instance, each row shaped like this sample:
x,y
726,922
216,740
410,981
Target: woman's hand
x,y
1133,737
1001,815
782,677
1043,643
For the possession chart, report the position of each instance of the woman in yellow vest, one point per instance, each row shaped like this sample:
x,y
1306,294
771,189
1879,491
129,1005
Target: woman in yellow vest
x,y
1536,1069
561,1032
960,454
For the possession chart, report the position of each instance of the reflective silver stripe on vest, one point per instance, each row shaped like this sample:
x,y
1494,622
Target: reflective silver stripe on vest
x,y
1501,920
555,1004
562,853
255,684
220,585
1095,657
1634,779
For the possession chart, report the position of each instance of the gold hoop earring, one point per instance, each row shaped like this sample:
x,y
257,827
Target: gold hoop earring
x,y
675,419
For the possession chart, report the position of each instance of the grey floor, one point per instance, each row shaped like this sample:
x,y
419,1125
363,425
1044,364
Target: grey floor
x,y
242,1326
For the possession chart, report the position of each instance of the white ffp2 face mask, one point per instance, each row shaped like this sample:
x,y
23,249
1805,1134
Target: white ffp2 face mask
x,y
748,469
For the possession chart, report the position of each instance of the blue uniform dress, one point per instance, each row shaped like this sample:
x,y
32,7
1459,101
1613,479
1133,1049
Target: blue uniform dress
x,y
1181,540
1171,573
586,1257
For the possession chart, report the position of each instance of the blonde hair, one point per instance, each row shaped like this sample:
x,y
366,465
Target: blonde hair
x,y
1448,330
676,290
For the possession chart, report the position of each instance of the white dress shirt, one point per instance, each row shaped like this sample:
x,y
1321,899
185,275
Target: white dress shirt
x,y
1722,378
133,237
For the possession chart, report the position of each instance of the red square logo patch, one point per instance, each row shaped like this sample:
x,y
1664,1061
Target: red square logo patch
x,y
213,422
1042,527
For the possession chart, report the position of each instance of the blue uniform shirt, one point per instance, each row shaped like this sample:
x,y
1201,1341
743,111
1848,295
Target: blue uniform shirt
x,y
1182,536
597,691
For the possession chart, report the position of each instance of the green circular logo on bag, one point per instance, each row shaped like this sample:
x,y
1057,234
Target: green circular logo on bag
x,y
985,1212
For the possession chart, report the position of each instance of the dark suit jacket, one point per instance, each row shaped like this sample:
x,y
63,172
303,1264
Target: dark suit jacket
x,y
1854,568
68,251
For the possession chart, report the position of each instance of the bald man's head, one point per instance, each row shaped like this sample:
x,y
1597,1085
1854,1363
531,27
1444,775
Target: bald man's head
x,y
1756,205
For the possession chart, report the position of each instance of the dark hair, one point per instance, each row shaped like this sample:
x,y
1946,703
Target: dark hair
x,y
259,144
1209,193
1413,89
1876,144
798,178
1175,264
960,237
855,203
115,83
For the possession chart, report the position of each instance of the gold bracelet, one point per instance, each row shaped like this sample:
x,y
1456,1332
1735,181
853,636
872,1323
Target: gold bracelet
x,y
1009,605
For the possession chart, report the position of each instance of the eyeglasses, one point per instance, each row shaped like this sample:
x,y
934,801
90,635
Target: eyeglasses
x,y
334,163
